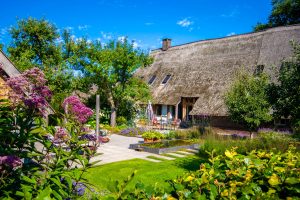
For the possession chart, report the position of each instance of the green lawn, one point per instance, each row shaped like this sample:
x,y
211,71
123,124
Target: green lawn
x,y
149,173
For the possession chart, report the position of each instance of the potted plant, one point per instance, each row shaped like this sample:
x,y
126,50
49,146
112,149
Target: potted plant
x,y
148,136
157,136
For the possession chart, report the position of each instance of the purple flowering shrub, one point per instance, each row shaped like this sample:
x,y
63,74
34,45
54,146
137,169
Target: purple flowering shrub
x,y
132,132
38,161
30,88
77,109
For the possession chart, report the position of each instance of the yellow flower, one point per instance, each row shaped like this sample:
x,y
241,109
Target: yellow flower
x,y
279,169
171,198
224,193
230,154
274,180
248,175
189,178
271,191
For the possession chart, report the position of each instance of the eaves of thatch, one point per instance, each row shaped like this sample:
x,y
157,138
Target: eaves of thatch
x,y
206,69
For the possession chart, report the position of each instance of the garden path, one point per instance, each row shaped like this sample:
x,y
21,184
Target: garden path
x,y
118,150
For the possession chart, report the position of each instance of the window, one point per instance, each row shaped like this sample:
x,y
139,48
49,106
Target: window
x,y
166,79
151,80
258,70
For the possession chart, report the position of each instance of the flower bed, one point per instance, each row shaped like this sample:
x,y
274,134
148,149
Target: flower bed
x,y
132,132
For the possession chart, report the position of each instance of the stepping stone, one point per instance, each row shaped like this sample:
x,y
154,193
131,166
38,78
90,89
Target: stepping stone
x,y
152,160
186,152
193,150
164,157
177,155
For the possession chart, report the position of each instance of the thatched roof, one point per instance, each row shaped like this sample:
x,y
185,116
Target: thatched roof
x,y
7,66
206,69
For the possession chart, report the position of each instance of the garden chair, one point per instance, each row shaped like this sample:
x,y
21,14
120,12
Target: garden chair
x,y
176,123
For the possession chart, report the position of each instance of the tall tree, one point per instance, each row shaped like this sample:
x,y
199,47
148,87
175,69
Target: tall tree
x,y
34,43
285,95
284,12
112,67
247,101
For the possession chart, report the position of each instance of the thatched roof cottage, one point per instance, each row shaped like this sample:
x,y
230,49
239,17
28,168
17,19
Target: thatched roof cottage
x,y
7,70
191,79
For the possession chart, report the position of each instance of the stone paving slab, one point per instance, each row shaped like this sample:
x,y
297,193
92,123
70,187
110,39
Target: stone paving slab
x,y
185,152
118,150
177,155
164,157
193,150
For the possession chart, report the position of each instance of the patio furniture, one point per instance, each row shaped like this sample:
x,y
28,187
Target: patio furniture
x,y
176,123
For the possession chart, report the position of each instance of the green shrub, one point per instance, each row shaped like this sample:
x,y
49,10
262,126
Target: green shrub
x,y
186,134
121,120
153,135
171,135
266,141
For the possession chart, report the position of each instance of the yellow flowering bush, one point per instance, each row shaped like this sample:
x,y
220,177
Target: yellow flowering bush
x,y
257,175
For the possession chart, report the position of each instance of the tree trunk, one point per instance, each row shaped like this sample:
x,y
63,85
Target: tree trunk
x,y
113,114
251,135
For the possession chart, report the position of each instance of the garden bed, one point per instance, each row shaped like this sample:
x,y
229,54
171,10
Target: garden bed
x,y
165,146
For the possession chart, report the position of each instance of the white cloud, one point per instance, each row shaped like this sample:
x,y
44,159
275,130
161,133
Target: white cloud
x,y
59,40
121,38
135,44
185,22
231,34
83,27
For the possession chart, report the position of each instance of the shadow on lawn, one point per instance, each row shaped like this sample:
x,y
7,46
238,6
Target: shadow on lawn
x,y
190,163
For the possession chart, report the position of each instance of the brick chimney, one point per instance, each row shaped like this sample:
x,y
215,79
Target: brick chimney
x,y
166,44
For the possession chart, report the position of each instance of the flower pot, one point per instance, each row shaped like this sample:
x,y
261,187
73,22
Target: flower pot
x,y
156,140
148,140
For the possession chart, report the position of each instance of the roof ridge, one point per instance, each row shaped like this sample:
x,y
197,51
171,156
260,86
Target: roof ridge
x,y
232,36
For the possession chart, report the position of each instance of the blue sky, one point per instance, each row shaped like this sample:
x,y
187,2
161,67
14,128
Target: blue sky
x,y
145,22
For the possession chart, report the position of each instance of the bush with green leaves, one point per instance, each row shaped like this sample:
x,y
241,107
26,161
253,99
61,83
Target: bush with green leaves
x,y
257,175
38,161
247,101
153,135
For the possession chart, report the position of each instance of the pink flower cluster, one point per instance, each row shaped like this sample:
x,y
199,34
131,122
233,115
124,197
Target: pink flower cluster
x,y
10,161
30,88
73,106
61,133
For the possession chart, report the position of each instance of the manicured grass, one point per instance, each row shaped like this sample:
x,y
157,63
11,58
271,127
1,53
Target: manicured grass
x,y
149,173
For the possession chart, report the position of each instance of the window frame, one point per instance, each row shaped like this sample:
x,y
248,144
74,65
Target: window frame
x,y
166,79
151,80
